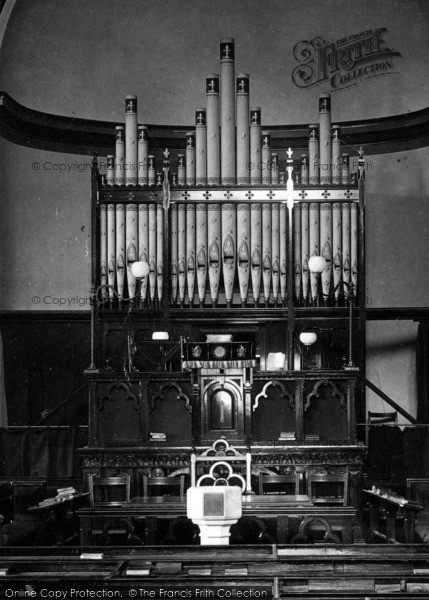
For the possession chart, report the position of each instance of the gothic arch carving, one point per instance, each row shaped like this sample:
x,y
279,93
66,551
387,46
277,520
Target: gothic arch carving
x,y
335,393
118,386
180,395
276,384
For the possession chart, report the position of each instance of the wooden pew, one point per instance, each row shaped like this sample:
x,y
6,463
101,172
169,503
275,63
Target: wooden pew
x,y
384,505
268,571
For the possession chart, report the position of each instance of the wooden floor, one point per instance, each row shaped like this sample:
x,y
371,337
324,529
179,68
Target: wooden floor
x,y
266,571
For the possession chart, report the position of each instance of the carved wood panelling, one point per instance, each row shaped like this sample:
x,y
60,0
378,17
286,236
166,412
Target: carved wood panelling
x,y
180,395
274,383
335,393
119,388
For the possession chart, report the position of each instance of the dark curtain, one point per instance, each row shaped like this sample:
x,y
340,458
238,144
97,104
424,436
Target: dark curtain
x,y
49,452
416,451
395,454
385,458
422,359
3,404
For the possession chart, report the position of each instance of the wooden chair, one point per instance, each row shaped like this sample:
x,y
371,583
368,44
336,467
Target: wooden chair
x,y
109,491
222,459
165,485
278,484
379,418
334,488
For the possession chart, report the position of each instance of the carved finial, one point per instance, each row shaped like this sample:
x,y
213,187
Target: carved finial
x,y
289,153
361,152
166,153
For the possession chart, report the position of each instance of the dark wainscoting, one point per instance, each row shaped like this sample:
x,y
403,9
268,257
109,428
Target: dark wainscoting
x,y
45,354
41,452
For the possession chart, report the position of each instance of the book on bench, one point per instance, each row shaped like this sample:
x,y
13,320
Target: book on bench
x,y
138,567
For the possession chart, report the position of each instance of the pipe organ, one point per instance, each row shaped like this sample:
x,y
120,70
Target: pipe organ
x,y
236,251
228,223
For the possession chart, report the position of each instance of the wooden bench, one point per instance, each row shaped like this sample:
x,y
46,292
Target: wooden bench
x,y
387,506
418,491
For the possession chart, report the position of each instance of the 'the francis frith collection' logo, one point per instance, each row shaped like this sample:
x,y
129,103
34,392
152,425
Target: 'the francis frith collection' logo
x,y
345,62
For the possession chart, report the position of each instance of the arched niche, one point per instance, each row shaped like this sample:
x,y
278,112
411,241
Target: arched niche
x,y
170,413
273,411
325,412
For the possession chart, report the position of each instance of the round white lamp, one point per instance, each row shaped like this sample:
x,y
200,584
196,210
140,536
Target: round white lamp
x,y
317,264
307,337
140,269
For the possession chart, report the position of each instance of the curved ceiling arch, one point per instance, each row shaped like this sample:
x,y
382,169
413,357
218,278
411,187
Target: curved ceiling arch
x,y
6,8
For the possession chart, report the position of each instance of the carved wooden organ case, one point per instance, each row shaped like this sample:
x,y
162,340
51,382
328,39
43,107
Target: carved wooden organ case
x,y
227,242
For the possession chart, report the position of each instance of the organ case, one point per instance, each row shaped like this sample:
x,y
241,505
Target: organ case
x,y
228,251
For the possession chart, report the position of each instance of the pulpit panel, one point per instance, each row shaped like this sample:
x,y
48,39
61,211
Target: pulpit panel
x,y
273,412
325,412
120,414
170,413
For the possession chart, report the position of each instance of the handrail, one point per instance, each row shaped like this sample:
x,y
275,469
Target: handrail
x,y
163,360
389,400
59,406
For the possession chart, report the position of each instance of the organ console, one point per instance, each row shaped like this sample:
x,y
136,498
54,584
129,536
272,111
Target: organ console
x,y
227,227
